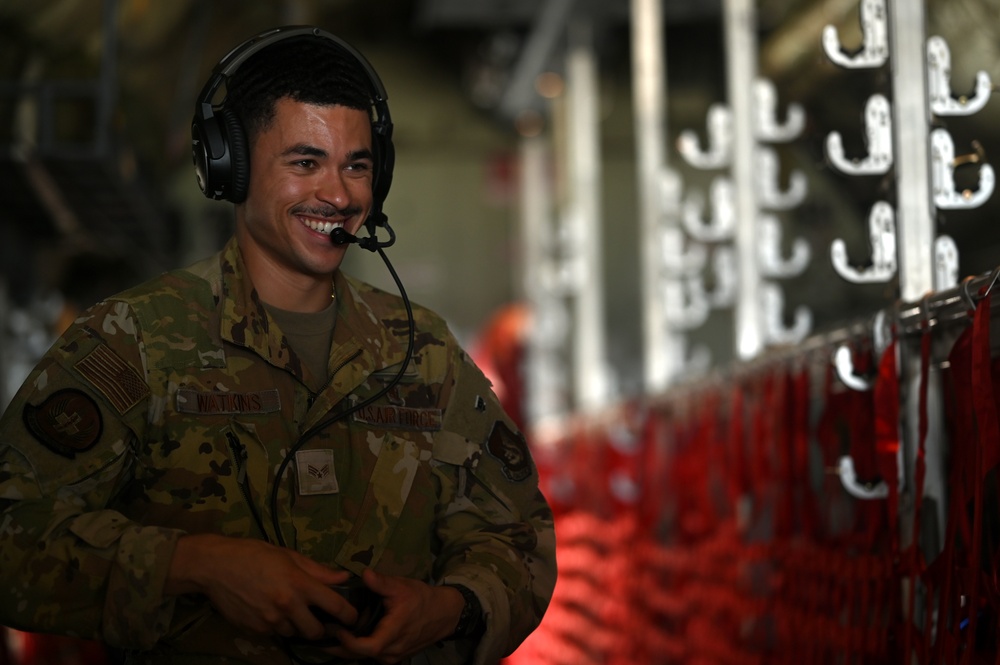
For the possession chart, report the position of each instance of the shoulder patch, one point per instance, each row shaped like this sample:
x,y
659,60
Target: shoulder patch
x,y
67,422
113,377
511,450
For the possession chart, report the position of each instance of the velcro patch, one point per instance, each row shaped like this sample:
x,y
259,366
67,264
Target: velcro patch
x,y
511,450
67,422
315,472
261,401
400,417
113,377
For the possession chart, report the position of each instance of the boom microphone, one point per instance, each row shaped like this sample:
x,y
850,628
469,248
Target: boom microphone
x,y
338,236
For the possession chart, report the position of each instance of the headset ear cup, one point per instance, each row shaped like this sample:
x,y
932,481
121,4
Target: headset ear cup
x,y
199,154
384,154
387,159
239,155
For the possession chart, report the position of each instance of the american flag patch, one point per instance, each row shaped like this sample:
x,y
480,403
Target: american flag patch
x,y
114,378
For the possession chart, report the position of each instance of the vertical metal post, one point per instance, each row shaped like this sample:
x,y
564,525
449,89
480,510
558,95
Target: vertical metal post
x,y
740,23
649,102
911,122
589,371
916,232
545,379
108,82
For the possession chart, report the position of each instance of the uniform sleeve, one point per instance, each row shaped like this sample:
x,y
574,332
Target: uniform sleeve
x,y
495,526
68,563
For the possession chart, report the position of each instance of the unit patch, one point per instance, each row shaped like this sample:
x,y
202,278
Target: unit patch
x,y
113,377
315,472
511,450
193,401
67,422
401,417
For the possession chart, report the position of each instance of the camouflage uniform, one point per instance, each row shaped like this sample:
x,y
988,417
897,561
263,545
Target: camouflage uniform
x,y
167,410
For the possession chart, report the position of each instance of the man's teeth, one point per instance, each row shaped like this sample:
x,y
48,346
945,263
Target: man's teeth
x,y
322,227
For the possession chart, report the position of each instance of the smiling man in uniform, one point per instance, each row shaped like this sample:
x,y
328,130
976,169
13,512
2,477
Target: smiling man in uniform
x,y
258,459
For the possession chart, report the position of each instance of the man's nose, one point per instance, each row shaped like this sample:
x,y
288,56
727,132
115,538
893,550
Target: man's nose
x,y
333,189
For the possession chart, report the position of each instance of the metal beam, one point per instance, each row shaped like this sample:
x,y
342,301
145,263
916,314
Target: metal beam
x,y
548,30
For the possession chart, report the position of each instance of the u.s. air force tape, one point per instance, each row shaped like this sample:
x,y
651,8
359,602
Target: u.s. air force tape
x,y
400,417
67,422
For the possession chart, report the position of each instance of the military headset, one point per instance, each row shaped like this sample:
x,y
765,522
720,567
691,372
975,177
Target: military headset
x,y
219,145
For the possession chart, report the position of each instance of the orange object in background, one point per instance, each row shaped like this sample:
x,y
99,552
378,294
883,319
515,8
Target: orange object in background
x,y
499,350
18,648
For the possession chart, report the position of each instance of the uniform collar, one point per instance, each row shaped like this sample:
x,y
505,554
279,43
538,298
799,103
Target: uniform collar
x,y
244,319
363,342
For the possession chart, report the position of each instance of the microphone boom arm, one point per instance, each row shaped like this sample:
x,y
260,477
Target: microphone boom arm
x,y
341,237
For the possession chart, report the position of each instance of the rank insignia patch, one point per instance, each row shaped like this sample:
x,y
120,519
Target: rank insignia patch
x,y
67,422
315,472
512,451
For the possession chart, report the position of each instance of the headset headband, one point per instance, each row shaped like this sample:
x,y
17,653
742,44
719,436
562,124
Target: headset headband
x,y
220,156
238,55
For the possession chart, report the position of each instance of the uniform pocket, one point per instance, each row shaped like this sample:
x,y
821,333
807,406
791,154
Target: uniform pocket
x,y
452,448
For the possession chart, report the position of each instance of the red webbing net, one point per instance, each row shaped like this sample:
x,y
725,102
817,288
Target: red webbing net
x,y
735,543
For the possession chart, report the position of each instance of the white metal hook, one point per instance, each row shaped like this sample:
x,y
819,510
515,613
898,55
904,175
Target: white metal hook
x,y
943,102
773,305
724,269
878,138
685,302
945,263
946,196
766,114
882,237
843,365
769,250
874,44
678,259
768,193
881,333
723,222
719,126
563,271
849,479
843,360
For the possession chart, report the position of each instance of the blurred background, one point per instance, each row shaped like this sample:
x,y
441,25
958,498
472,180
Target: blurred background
x,y
518,179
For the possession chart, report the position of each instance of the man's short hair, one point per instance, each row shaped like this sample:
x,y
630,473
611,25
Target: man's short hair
x,y
307,69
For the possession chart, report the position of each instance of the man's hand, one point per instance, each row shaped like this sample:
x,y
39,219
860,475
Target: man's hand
x,y
257,586
416,616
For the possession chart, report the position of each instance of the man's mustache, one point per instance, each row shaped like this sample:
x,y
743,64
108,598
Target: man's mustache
x,y
327,211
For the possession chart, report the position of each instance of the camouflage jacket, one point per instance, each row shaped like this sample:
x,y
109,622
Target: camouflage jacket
x,y
168,409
